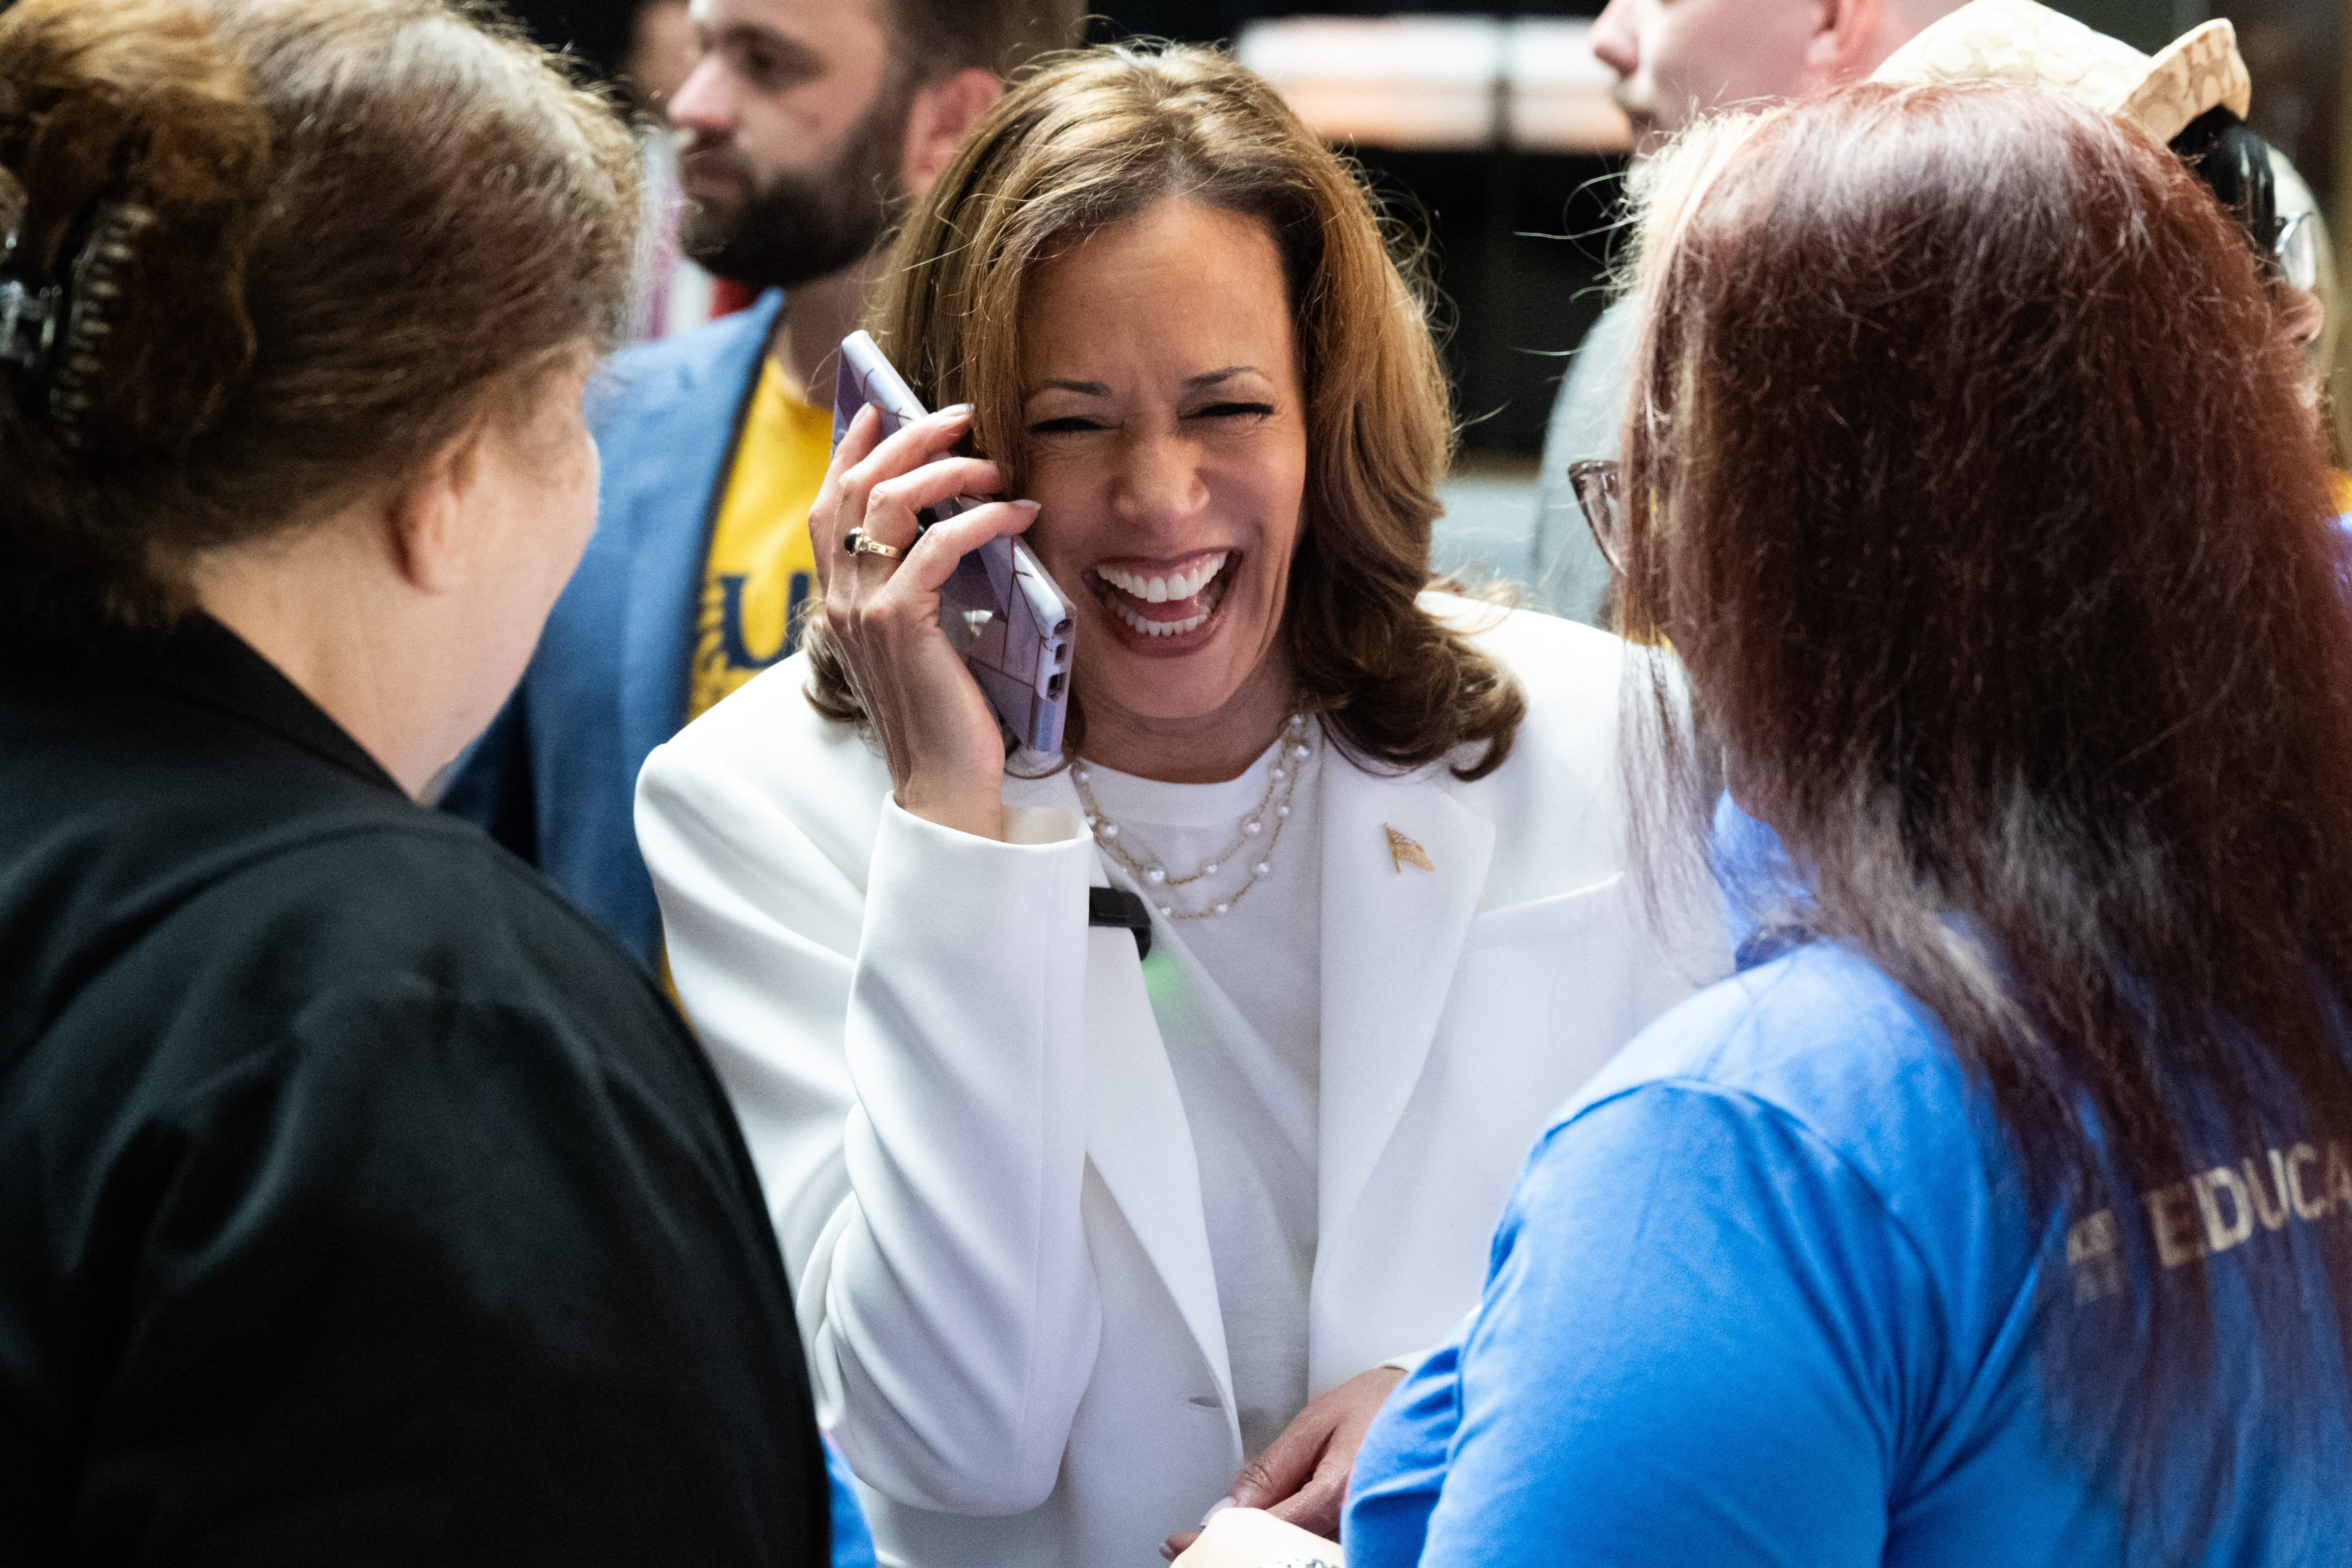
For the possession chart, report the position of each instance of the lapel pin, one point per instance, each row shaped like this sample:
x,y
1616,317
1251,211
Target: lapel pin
x,y
1403,852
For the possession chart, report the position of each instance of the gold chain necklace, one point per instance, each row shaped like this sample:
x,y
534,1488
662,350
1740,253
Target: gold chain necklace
x,y
1263,822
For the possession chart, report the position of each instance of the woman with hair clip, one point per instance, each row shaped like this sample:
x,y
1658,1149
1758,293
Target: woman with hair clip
x,y
1082,1230
1996,1211
363,1203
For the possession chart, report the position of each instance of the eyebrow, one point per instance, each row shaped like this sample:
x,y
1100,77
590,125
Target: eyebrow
x,y
1096,389
744,34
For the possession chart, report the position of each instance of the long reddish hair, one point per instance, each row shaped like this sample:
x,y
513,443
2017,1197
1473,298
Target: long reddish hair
x,y
1972,484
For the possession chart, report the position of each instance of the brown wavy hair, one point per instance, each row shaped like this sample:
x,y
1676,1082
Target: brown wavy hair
x,y
1972,483
347,229
1098,136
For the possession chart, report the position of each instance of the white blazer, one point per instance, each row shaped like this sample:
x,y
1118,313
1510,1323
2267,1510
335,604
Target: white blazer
x,y
972,1140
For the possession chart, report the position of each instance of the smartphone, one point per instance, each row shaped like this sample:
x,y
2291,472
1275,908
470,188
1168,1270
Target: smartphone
x,y
999,610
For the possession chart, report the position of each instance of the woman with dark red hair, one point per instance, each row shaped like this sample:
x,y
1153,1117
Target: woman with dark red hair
x,y
2006,1215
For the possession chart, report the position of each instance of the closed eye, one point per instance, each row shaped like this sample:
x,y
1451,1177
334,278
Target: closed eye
x,y
1067,424
769,63
1236,411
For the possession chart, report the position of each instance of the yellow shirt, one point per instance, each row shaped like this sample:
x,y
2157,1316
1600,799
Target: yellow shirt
x,y
761,571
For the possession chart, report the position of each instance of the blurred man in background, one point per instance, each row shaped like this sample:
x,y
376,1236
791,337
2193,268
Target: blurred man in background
x,y
673,295
664,49
807,125
1675,60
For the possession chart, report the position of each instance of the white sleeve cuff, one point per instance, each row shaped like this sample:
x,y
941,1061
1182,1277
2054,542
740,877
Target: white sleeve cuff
x,y
1043,824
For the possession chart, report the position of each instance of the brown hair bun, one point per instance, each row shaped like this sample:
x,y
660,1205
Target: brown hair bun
x,y
140,161
294,246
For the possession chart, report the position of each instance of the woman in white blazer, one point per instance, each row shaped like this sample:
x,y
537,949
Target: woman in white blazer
x,y
1077,1232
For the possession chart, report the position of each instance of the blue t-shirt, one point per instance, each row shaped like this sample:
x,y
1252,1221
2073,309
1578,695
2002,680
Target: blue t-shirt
x,y
1767,1293
853,1543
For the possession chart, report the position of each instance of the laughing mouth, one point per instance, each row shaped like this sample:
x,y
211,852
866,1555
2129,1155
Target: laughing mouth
x,y
1200,589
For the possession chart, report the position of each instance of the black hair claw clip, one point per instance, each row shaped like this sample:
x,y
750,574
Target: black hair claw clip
x,y
51,332
31,320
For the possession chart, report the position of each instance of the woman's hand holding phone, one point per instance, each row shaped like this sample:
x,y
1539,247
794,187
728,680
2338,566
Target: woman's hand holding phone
x,y
941,740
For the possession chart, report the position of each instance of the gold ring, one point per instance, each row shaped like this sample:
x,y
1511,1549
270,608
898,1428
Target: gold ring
x,y
859,544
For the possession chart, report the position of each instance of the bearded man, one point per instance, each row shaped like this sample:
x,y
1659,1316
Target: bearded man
x,y
808,125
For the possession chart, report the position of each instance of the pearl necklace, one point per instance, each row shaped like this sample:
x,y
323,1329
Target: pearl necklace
x,y
1282,780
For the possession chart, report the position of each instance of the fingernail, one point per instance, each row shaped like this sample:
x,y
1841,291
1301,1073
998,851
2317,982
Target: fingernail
x,y
1030,505
1167,1552
955,411
1217,1508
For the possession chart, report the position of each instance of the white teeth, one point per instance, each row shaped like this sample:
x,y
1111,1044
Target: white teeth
x,y
1159,590
1157,628
1151,628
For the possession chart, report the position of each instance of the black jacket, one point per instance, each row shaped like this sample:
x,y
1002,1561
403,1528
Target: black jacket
x,y
359,1202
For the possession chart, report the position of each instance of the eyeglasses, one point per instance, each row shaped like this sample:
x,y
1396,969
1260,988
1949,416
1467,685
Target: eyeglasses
x,y
2296,252
1599,483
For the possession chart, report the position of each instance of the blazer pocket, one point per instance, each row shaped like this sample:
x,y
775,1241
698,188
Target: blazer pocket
x,y
1548,920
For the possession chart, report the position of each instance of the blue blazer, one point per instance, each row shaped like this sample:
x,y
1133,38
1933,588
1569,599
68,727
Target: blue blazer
x,y
554,778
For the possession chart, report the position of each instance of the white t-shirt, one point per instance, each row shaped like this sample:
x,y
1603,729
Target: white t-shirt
x,y
1238,998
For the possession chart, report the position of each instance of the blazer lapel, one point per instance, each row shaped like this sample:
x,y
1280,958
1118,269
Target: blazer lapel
x,y
1392,934
678,471
1137,1134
